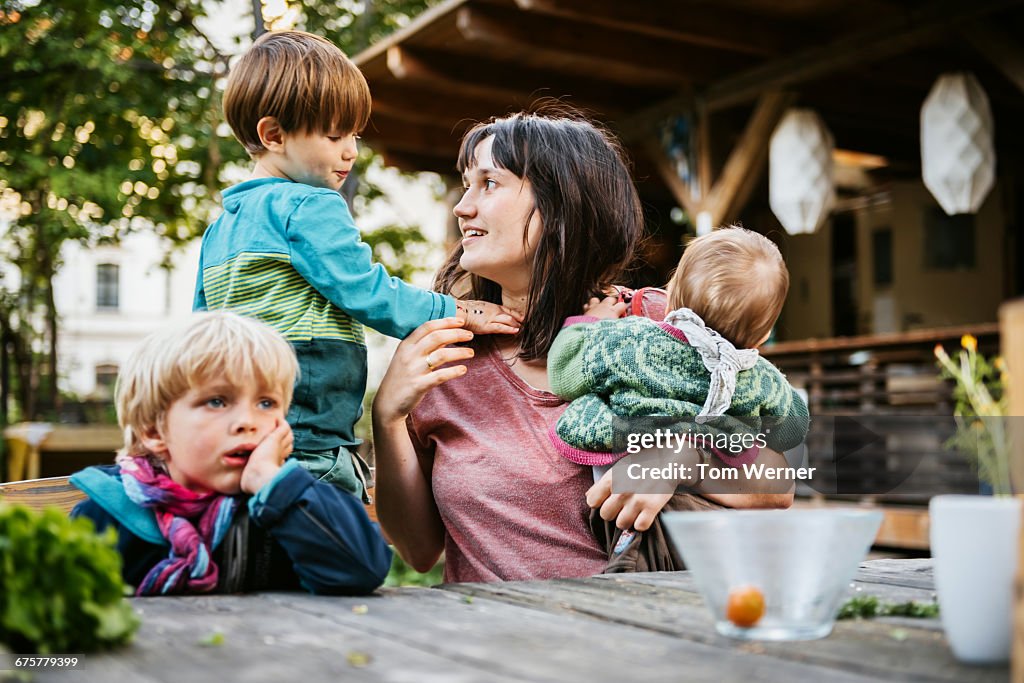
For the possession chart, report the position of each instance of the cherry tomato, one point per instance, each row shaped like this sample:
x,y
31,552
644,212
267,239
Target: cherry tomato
x,y
745,606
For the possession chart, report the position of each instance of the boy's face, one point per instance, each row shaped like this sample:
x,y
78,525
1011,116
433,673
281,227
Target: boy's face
x,y
208,434
314,158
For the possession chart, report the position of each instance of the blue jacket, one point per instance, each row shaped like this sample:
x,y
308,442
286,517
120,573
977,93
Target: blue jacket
x,y
296,532
290,254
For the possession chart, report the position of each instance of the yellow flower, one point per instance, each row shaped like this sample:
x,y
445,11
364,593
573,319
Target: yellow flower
x,y
969,342
999,364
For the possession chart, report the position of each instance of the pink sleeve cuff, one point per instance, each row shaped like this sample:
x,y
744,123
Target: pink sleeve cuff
x,y
579,320
581,457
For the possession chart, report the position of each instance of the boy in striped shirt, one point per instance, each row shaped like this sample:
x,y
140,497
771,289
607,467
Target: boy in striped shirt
x,y
287,251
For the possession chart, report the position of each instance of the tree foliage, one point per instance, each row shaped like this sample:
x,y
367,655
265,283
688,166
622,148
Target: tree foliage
x,y
111,123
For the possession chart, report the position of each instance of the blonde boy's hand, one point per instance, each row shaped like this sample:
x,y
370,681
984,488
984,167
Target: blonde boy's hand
x,y
483,317
608,308
266,460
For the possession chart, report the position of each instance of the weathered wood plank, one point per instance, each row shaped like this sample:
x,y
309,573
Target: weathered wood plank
x,y
612,628
268,638
536,644
411,635
883,649
40,493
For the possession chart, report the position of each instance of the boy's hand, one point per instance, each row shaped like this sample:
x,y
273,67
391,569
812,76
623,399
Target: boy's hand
x,y
608,308
483,317
267,459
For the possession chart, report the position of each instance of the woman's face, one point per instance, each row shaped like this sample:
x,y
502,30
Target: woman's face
x,y
492,214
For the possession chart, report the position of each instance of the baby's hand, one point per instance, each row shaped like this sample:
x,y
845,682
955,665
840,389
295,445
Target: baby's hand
x,y
483,317
608,308
267,459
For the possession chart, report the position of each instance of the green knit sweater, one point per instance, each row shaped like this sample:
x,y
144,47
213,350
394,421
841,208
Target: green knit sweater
x,y
635,367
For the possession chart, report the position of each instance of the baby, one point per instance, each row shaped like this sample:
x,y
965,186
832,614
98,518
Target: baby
x,y
701,362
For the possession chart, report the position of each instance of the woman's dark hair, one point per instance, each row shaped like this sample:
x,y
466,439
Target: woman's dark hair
x,y
592,220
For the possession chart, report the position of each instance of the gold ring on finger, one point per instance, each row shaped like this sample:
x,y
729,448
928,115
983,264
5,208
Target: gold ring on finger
x,y
430,364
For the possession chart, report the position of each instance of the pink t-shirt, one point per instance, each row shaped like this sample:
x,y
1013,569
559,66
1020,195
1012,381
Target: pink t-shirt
x,y
513,509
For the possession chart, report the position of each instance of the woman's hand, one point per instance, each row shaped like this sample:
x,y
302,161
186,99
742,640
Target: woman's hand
x,y
420,364
608,308
636,510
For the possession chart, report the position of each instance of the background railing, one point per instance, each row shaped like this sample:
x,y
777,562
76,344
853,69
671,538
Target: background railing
x,y
884,375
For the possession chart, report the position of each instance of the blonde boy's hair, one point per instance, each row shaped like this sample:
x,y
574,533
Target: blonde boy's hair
x,y
735,280
214,345
302,80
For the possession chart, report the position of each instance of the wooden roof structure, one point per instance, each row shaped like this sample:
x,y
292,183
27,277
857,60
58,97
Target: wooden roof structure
x,y
731,66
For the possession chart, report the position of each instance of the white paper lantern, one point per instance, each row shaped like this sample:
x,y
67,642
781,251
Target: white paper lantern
x,y
801,191
958,156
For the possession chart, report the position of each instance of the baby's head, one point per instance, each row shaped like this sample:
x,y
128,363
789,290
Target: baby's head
x,y
302,81
735,280
199,389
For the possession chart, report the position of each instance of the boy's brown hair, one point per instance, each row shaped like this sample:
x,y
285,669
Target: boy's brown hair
x,y
735,280
302,80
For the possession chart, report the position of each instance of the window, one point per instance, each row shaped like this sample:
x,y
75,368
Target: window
x,y
106,377
948,241
107,275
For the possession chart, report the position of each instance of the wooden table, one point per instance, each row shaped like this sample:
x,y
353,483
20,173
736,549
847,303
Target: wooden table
x,y
644,627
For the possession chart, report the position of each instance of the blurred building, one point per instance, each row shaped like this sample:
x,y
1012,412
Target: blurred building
x,y
110,297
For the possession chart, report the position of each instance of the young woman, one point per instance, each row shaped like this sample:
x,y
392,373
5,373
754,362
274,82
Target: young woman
x,y
549,219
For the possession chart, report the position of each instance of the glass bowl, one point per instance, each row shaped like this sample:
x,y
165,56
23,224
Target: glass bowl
x,y
801,562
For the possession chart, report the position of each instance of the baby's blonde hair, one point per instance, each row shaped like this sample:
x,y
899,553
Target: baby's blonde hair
x,y
735,280
214,345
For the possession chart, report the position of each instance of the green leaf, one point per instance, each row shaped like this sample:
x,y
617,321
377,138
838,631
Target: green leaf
x,y
868,606
60,584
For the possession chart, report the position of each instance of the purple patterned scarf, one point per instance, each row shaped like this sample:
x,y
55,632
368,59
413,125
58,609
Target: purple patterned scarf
x,y
189,567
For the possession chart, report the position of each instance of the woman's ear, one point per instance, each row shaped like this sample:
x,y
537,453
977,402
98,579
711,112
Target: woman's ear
x,y
271,134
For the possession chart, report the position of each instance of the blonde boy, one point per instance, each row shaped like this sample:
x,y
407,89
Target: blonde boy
x,y
202,406
287,251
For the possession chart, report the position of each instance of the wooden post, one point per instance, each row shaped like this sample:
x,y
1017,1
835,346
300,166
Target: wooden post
x,y
1011,316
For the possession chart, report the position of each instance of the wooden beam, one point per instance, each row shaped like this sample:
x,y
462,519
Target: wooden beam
x,y
438,15
702,120
1011,319
399,135
1005,52
680,190
703,26
412,67
415,102
565,46
915,28
414,162
747,160
475,76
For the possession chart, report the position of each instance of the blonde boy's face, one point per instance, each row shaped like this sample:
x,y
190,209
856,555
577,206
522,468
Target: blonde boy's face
x,y
207,435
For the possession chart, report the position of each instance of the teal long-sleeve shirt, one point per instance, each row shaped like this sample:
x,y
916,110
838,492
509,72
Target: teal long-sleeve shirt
x,y
290,255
